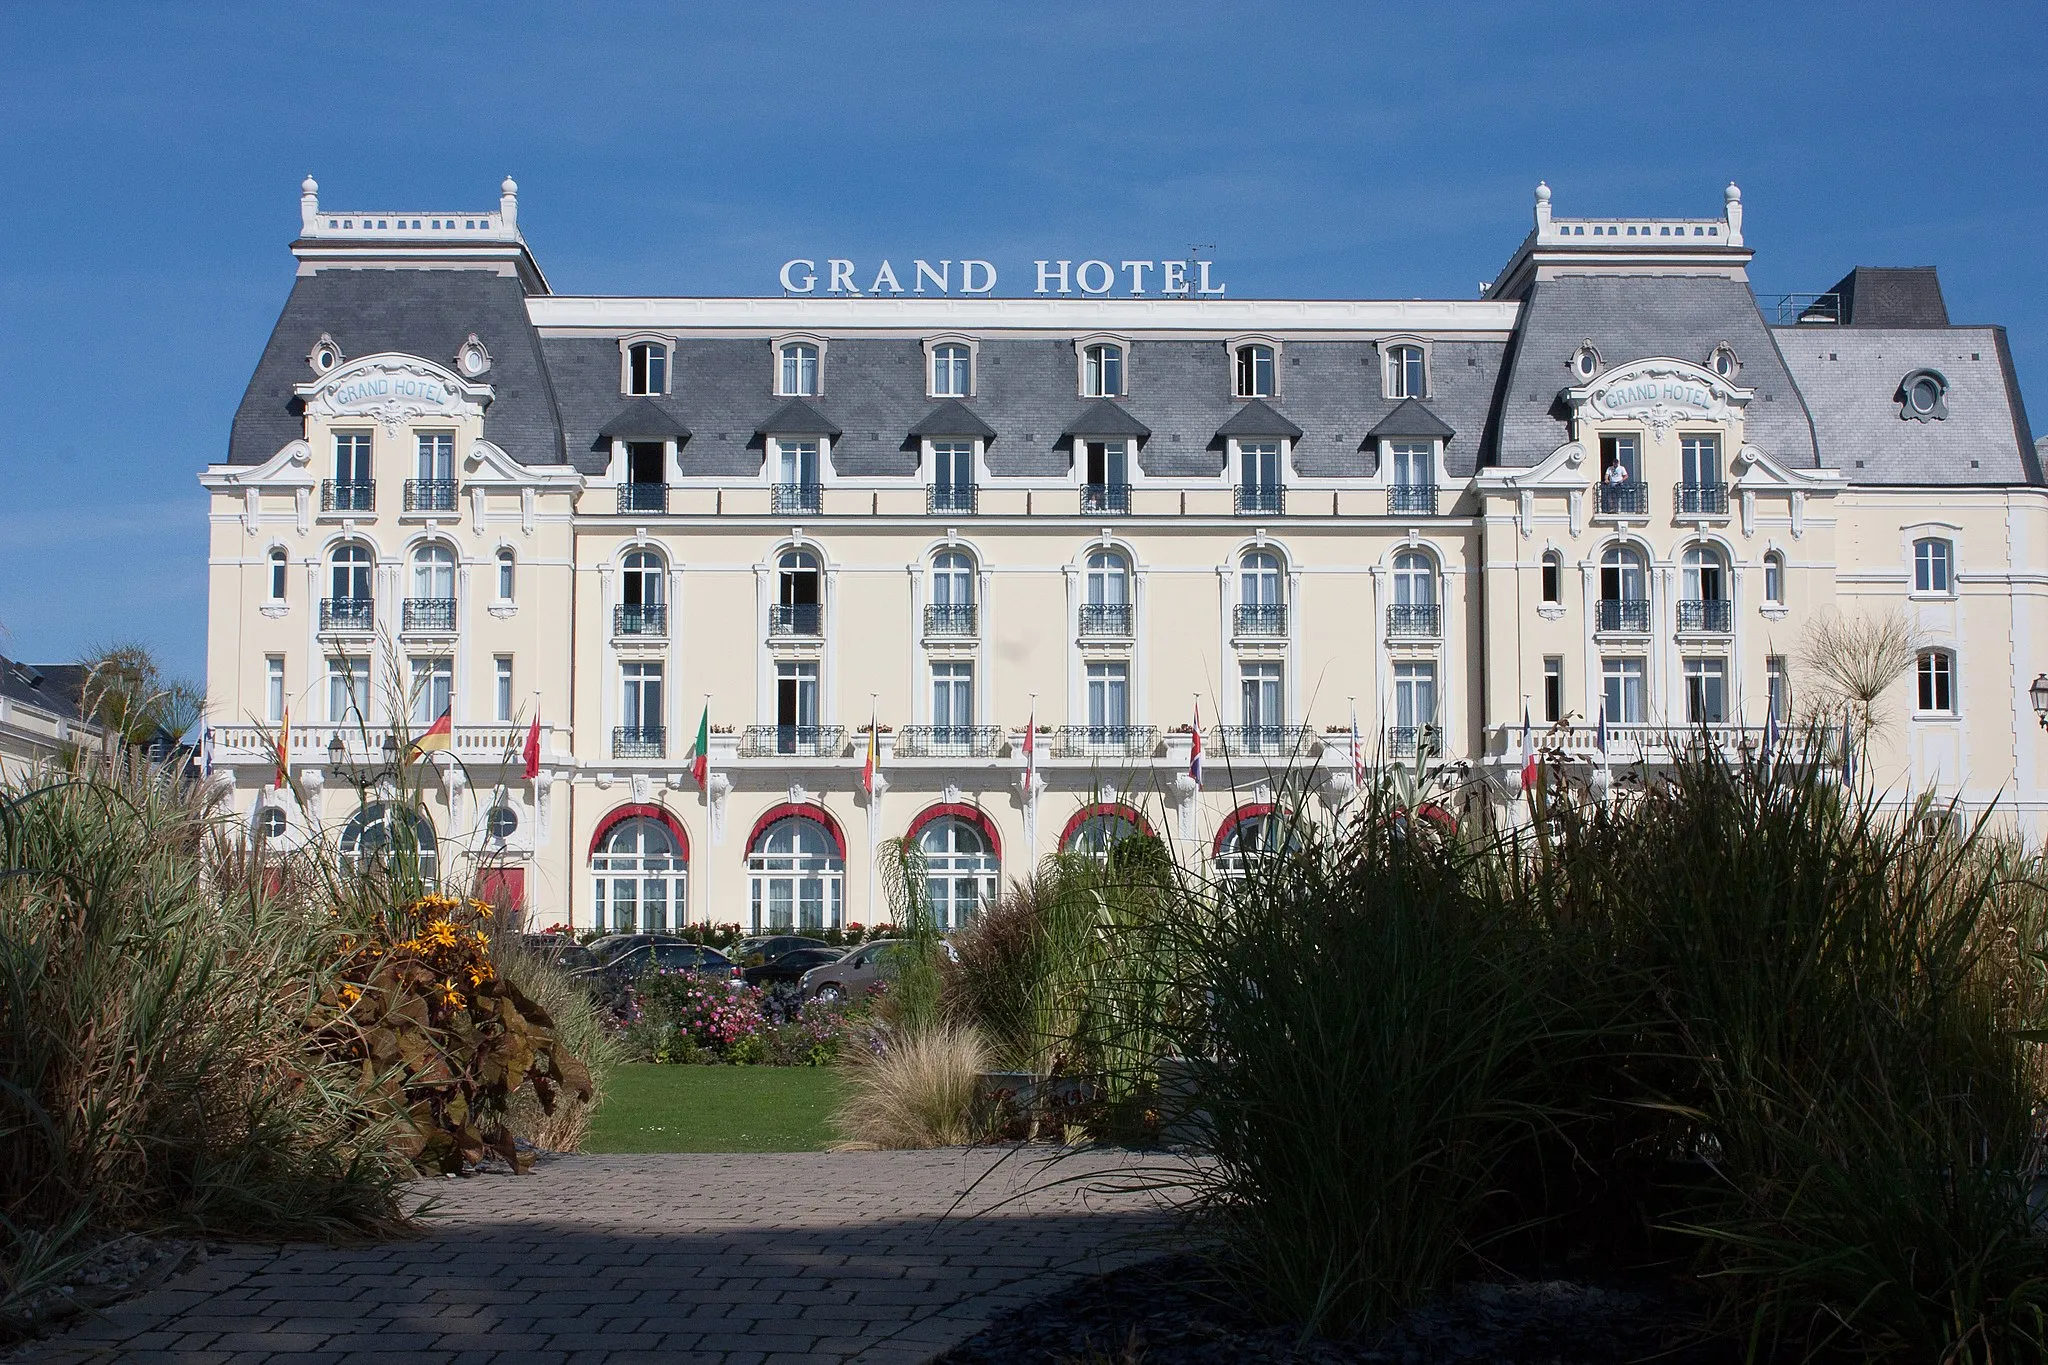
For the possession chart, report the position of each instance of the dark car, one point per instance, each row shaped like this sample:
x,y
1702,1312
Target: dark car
x,y
856,974
790,967
622,970
616,945
560,950
764,948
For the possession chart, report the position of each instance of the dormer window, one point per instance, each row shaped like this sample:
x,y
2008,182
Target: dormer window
x,y
1254,370
797,372
325,355
1102,370
952,370
1586,361
1923,396
1724,361
1407,374
474,359
647,368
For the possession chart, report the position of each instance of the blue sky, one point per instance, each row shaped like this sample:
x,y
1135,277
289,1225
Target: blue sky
x,y
151,156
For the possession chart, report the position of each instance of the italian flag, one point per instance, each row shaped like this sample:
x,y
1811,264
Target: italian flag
x,y
700,762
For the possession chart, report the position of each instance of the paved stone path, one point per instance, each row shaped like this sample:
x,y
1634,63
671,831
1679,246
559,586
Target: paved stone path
x,y
867,1257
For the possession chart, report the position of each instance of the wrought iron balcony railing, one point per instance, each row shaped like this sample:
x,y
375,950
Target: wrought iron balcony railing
x,y
337,496
797,499
1262,619
1701,500
428,613
1111,619
639,741
950,618
641,618
961,498
948,741
348,613
1105,741
1412,621
1630,499
643,497
430,495
1106,497
1268,741
806,619
1707,614
1628,615
1407,741
1412,498
1269,498
792,741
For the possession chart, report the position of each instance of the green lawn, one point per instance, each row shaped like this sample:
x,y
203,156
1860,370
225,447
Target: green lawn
x,y
654,1108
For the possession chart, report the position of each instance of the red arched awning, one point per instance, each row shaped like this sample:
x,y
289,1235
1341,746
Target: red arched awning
x,y
619,815
958,810
1256,810
788,809
1119,809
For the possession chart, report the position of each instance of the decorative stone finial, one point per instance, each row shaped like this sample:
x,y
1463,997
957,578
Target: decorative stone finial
x,y
1542,206
309,203
1542,191
1733,194
508,202
310,187
509,188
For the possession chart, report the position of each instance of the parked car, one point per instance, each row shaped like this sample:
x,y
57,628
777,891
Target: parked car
x,y
611,979
559,949
790,967
752,952
855,975
613,945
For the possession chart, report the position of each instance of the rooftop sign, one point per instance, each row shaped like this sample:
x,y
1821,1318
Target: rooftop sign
x,y
1093,278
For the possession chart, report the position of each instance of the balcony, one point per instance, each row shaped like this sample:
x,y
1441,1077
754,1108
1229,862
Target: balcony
x,y
643,497
1106,620
1712,615
639,741
1630,499
1264,741
1416,621
1701,500
797,499
1408,741
1259,620
962,499
1628,616
433,615
1412,498
644,618
803,620
430,495
348,615
1106,497
948,741
792,741
955,620
1105,741
336,496
1254,498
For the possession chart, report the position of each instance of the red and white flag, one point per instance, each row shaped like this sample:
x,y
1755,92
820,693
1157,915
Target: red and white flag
x,y
1195,750
1528,754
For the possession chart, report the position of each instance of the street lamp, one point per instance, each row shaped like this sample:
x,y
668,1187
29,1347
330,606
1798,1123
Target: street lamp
x,y
2038,694
362,774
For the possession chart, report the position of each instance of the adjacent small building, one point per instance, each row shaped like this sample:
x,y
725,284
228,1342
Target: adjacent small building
x,y
41,725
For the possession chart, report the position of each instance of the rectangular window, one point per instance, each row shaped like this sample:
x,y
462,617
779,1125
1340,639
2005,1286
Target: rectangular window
x,y
505,568
640,699
952,698
1109,696
1699,460
1622,691
1261,464
1622,451
1553,578
1553,688
273,688
352,457
1103,371
951,371
1255,372
433,687
1406,377
1108,462
796,694
1778,687
348,691
504,687
796,462
1706,691
436,456
800,371
1930,566
1774,578
1937,683
1259,696
646,462
953,465
649,364
1412,465
1414,695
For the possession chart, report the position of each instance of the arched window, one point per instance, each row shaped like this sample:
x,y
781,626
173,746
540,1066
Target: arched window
x,y
1405,376
1553,577
641,610
278,565
797,597
1097,829
951,608
433,572
799,370
1703,590
952,371
1931,561
1102,371
1414,579
1774,578
797,876
1109,578
647,368
351,565
506,581
639,878
1254,371
1936,678
1624,590
961,871
1261,594
393,838
1253,833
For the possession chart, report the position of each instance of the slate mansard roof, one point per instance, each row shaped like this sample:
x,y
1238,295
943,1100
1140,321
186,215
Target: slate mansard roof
x,y
1825,394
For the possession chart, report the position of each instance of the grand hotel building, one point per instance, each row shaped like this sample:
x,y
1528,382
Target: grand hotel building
x,y
1614,481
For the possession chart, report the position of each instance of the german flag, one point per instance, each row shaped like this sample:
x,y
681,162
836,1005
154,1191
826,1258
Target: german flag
x,y
439,736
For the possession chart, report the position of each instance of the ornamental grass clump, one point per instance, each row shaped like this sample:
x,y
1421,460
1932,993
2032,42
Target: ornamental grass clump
x,y
919,1091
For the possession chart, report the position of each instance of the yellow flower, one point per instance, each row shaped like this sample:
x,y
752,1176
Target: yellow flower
x,y
350,994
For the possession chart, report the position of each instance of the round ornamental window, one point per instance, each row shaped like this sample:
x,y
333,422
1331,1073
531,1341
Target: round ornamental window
x,y
1724,362
270,823
501,822
473,360
326,360
1923,396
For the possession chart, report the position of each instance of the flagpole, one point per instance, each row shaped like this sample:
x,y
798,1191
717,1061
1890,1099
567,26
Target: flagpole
x,y
709,861
1031,781
874,756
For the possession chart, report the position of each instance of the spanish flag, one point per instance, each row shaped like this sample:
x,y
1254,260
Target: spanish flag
x,y
874,757
439,735
284,747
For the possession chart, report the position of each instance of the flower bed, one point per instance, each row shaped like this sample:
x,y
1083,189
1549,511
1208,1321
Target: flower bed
x,y
683,1017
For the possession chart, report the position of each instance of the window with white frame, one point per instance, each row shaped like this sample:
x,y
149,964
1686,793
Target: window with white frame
x,y
640,700
1699,461
640,579
352,458
432,689
1414,700
433,573
434,457
796,463
1624,691
1414,579
953,593
1412,464
502,690
1553,688
1778,687
1254,371
348,690
796,702
1106,464
1935,676
271,822
1932,557
1553,578
1109,700
1102,370
279,563
1259,464
953,476
797,370
1260,706
952,370
351,573
952,702
1706,691
1258,579
1406,374
507,565
273,688
647,368
1774,578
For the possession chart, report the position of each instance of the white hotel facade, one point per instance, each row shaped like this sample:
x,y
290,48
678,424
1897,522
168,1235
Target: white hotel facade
x,y
1611,482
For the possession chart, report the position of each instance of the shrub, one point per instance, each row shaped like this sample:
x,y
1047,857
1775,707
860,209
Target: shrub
x,y
918,1092
581,1027
713,1015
